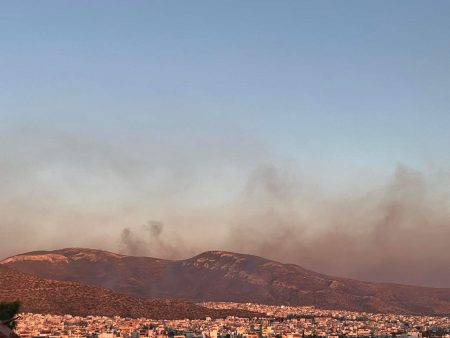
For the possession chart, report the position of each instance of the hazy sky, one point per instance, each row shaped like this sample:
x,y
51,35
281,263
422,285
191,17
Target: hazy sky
x,y
318,126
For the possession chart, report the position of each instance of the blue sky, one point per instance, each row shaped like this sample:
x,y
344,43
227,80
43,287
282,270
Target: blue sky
x,y
356,82
117,111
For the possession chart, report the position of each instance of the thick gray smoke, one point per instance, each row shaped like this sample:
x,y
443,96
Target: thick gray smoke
x,y
400,232
148,240
66,191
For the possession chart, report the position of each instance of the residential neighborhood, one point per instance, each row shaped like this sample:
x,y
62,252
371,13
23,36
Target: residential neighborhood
x,y
280,322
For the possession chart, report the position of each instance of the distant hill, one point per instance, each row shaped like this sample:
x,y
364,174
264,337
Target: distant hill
x,y
226,276
41,295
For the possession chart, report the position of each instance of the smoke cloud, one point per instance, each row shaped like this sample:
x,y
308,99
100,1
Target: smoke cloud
x,y
399,232
147,240
60,190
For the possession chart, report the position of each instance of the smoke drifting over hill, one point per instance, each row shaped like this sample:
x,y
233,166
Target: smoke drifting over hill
x,y
397,233
60,191
147,240
401,230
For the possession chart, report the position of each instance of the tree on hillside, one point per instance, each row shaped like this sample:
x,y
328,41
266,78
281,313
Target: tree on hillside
x,y
8,311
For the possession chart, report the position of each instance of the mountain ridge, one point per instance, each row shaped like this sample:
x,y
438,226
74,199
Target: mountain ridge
x,y
228,276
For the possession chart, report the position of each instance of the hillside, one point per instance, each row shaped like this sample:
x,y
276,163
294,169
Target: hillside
x,y
225,276
62,297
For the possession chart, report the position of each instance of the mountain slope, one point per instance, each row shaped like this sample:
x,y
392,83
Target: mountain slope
x,y
62,297
225,276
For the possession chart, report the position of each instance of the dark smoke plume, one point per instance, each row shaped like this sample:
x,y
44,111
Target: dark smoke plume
x,y
398,233
147,240
60,190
